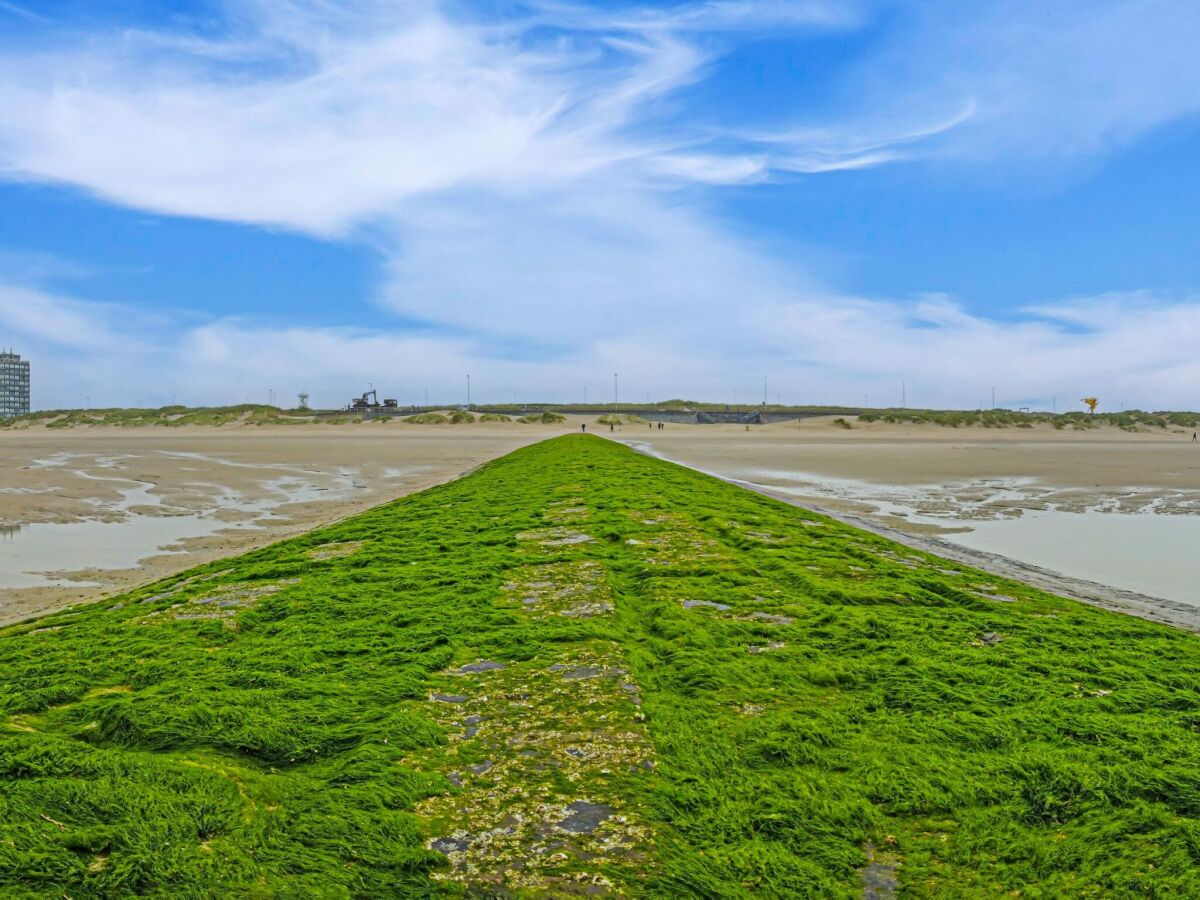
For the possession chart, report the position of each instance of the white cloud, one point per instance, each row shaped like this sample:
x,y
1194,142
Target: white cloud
x,y
813,347
1064,80
539,203
60,321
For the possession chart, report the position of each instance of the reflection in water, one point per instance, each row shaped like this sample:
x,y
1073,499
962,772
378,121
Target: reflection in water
x,y
8,532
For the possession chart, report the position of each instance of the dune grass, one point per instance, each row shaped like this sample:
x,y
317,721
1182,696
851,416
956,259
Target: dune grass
x,y
579,670
165,416
1133,420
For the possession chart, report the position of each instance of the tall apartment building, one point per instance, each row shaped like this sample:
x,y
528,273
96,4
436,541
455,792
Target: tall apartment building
x,y
14,384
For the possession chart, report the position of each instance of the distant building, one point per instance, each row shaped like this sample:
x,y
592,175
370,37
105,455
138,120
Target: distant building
x,y
14,385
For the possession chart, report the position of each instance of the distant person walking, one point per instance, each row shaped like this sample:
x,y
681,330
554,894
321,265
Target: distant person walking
x,y
1193,437
583,427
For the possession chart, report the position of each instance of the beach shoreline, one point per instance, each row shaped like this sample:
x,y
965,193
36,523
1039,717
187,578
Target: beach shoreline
x,y
237,478
1155,609
250,486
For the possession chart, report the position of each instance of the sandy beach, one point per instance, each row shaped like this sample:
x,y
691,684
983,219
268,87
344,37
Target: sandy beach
x,y
119,497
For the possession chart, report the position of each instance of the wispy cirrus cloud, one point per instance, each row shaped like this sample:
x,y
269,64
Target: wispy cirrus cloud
x,y
14,9
1065,80
317,116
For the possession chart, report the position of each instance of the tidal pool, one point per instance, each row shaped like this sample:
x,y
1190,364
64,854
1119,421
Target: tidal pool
x,y
38,554
1146,552
31,555
1149,553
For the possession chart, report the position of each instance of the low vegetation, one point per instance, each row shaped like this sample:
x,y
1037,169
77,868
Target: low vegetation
x,y
584,671
255,414
1130,420
165,416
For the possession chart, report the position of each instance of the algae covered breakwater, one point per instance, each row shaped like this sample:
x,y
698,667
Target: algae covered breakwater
x,y
581,670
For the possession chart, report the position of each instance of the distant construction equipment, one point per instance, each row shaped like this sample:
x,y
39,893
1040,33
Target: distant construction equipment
x,y
370,401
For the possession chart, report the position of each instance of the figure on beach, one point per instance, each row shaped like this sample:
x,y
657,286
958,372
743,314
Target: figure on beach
x,y
583,427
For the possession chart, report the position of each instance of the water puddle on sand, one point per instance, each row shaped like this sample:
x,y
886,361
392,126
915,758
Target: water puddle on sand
x,y
37,554
1148,552
39,548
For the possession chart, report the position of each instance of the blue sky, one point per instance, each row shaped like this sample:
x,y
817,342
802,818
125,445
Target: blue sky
x,y
215,199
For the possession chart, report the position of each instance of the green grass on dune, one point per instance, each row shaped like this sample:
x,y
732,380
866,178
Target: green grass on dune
x,y
1133,420
165,416
760,698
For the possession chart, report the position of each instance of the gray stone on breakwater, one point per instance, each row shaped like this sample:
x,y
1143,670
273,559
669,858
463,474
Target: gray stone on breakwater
x,y
452,844
771,618
580,672
692,604
484,665
584,817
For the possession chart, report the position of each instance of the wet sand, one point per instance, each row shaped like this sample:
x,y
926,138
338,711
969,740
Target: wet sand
x,y
930,487
87,512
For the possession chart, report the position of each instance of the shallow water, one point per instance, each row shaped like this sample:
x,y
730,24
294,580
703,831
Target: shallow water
x,y
1147,552
36,554
32,552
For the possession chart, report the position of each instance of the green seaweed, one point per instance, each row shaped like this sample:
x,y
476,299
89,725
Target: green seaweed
x,y
581,670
